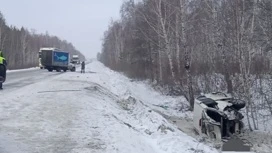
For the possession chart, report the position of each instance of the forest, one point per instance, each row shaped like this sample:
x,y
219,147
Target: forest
x,y
197,46
21,46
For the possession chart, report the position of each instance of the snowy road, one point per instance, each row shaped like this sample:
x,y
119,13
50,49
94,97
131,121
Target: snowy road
x,y
98,112
18,79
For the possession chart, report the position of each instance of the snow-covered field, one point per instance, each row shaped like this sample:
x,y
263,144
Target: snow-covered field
x,y
99,111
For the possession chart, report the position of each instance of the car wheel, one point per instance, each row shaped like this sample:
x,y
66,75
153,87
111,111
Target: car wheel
x,y
212,136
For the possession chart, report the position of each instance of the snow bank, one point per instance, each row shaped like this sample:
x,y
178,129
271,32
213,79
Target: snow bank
x,y
140,97
21,70
139,100
123,87
100,111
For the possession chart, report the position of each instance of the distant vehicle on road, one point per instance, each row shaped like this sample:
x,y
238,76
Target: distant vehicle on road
x,y
55,59
75,59
72,67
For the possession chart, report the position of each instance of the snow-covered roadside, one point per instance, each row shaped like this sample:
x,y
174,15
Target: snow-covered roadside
x,y
100,111
139,99
124,87
22,70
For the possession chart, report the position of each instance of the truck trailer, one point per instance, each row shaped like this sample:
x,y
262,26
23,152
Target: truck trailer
x,y
54,59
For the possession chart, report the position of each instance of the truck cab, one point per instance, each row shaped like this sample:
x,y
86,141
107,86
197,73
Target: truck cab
x,y
75,59
40,60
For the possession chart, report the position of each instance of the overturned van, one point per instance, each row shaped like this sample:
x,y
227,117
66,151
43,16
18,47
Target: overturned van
x,y
217,116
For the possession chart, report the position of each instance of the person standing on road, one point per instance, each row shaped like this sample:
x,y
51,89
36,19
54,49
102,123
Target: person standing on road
x,y
3,68
83,67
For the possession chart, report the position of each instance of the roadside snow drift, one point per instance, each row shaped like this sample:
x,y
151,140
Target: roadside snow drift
x,y
100,111
21,70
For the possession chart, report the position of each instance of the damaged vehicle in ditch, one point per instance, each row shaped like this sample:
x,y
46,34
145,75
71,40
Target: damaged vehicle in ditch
x,y
217,115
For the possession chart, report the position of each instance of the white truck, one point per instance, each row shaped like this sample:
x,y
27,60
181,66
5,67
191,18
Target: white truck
x,y
55,59
75,59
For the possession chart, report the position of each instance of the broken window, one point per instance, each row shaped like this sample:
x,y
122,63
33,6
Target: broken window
x,y
214,115
208,101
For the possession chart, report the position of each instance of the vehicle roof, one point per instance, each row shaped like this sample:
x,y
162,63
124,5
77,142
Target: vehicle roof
x,y
49,48
206,101
221,100
218,96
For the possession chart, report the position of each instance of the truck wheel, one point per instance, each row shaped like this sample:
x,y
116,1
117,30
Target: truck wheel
x,y
50,70
64,70
58,70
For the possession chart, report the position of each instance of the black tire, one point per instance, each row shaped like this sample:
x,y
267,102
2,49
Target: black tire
x,y
64,70
50,70
238,104
58,70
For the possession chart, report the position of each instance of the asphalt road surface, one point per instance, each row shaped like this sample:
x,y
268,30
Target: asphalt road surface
x,y
18,79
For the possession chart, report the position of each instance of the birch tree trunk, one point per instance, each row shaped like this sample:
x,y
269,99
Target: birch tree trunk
x,y
160,61
178,44
247,50
24,43
189,79
187,56
165,37
2,31
251,53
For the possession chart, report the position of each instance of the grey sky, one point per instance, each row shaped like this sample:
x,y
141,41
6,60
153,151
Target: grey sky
x,y
81,22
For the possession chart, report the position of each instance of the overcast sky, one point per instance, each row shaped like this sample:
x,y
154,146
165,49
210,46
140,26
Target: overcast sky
x,y
81,22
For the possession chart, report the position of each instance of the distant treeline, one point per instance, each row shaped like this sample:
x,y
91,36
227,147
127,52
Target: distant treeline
x,y
21,46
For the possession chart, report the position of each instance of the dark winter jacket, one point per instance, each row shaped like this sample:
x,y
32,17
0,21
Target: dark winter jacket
x,y
83,65
2,66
